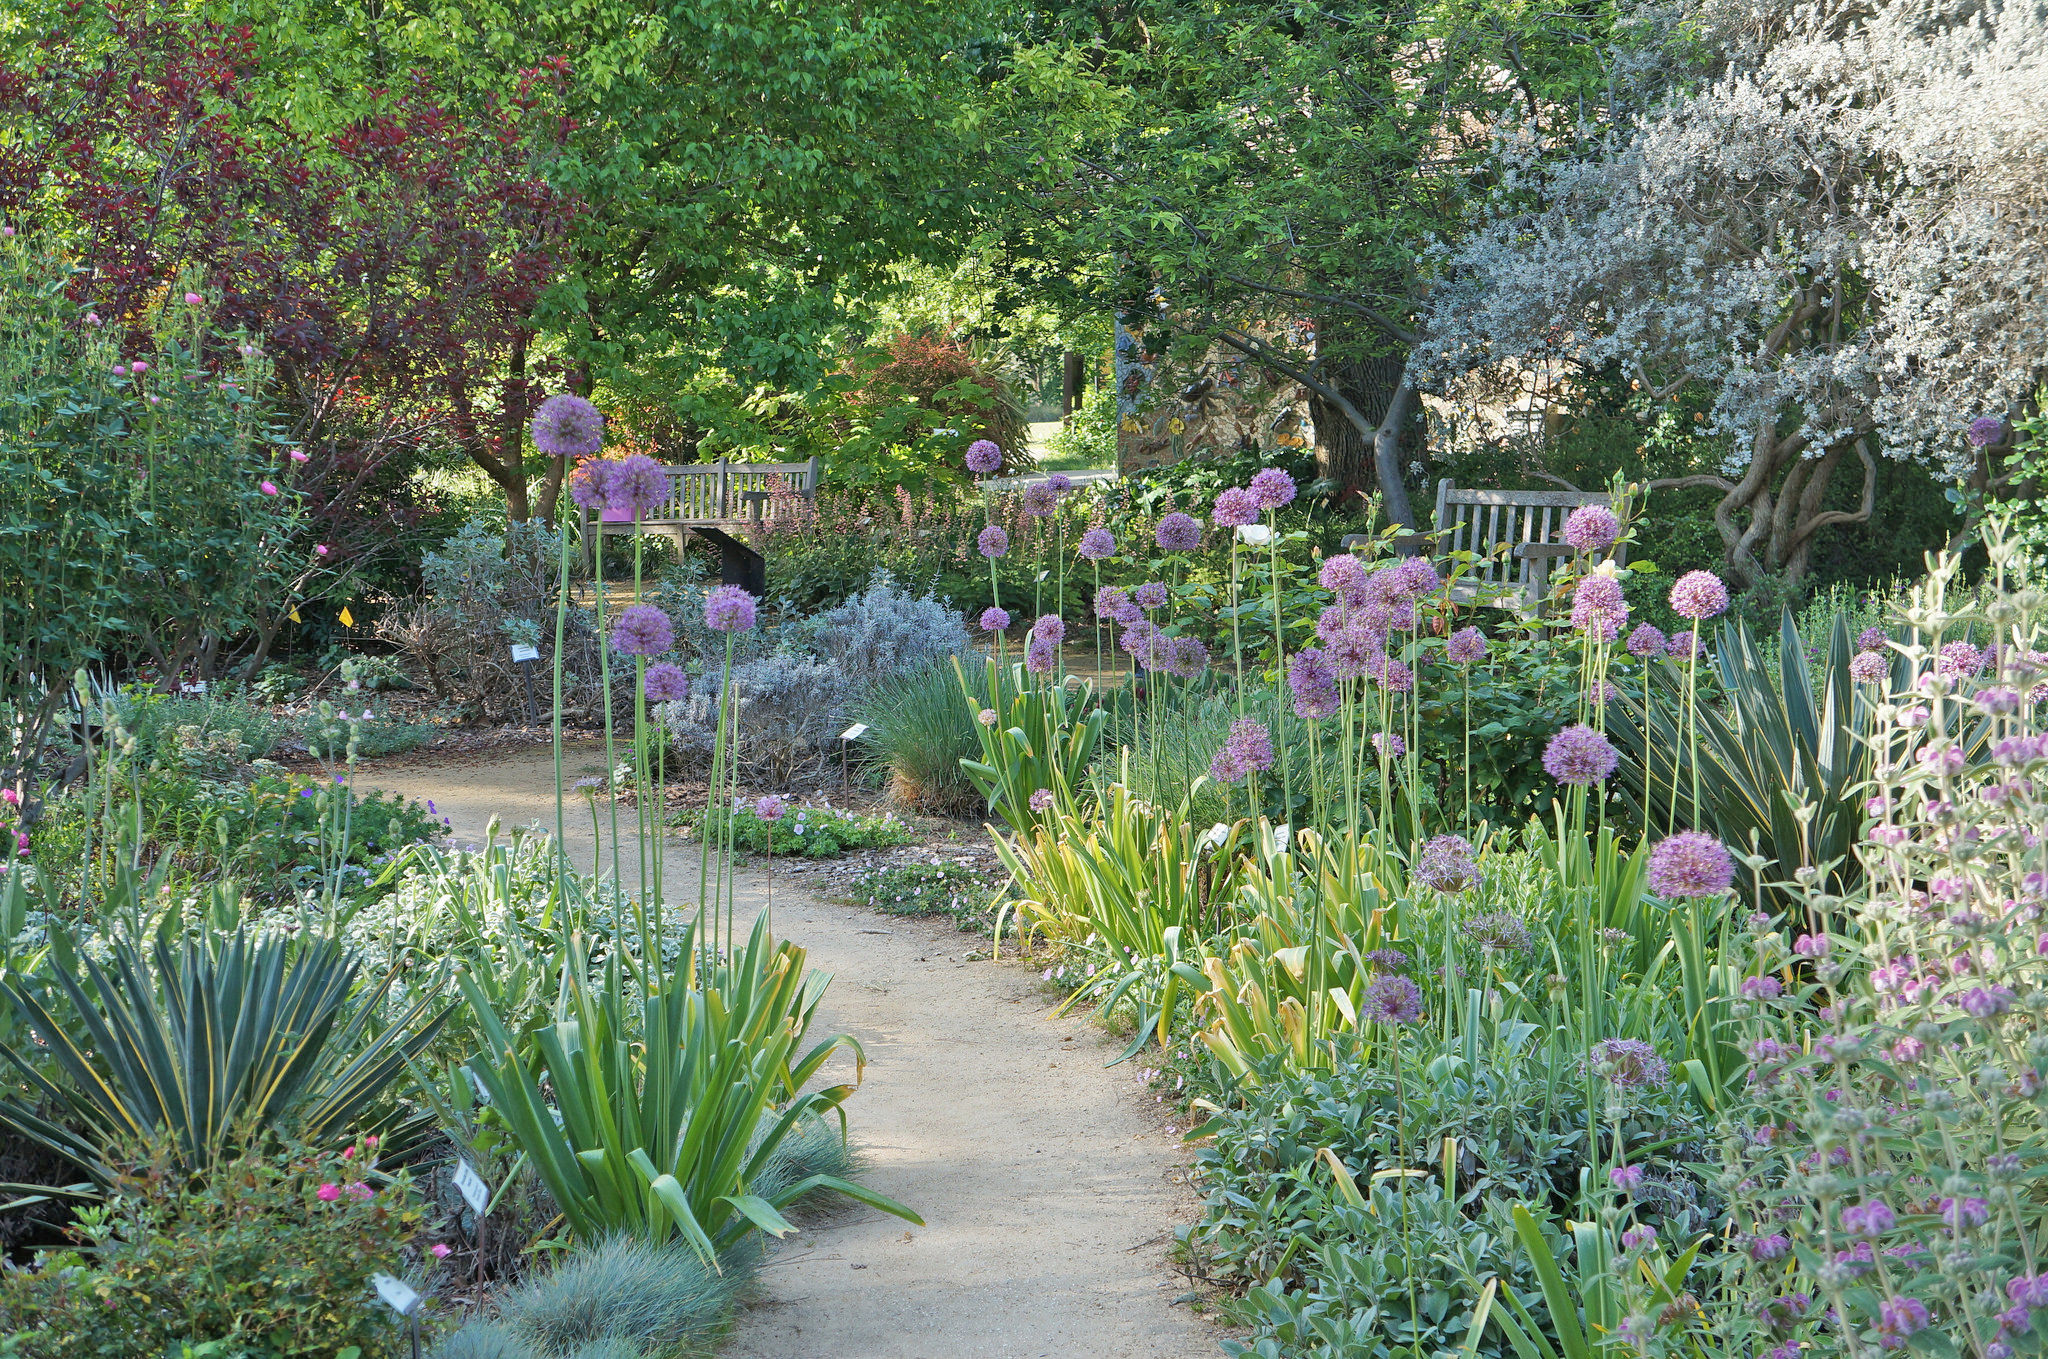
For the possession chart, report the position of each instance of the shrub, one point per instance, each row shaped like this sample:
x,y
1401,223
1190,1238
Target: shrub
x,y
928,889
1088,437
885,631
270,1250
790,709
806,831
625,1290
920,727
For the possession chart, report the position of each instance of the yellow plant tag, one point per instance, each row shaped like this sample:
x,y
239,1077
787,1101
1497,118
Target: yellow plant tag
x,y
294,616
347,619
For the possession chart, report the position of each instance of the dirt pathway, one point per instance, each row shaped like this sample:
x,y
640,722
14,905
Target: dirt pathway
x,y
1043,1181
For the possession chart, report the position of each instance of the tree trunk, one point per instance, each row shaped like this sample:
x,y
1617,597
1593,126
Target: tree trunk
x,y
1386,455
1344,452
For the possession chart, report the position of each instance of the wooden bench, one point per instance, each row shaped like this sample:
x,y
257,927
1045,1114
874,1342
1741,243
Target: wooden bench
x,y
715,501
1513,537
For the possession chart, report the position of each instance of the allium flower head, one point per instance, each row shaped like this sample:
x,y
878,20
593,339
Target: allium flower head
x,y
1391,675
1446,864
1041,800
1059,483
1235,508
994,620
983,457
1958,661
1186,657
1150,595
729,608
1113,604
1040,499
1598,605
1591,528
1699,595
665,682
1466,646
638,485
1412,579
1179,532
590,485
1679,645
1097,543
1872,639
1272,488
1314,685
1499,932
567,426
1250,745
1646,641
1629,1064
1392,1000
1390,744
1041,655
770,807
1868,667
1387,960
1579,756
1345,576
1051,627
642,630
1690,864
992,541
1986,429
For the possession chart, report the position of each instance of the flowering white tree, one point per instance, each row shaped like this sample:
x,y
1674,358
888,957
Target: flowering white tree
x,y
1840,235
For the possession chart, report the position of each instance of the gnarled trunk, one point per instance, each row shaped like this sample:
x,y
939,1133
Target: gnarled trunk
x,y
1768,519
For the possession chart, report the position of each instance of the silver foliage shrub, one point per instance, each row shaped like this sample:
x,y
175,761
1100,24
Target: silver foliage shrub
x,y
885,631
789,708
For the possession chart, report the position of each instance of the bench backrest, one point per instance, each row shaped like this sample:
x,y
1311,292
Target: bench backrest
x,y
1476,521
711,491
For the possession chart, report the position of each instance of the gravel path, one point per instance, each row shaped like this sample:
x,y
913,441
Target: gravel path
x,y
1048,1184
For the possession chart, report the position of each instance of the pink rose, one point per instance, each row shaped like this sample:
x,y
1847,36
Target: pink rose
x,y
328,1193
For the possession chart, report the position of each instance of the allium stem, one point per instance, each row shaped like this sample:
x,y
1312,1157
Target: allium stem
x,y
604,670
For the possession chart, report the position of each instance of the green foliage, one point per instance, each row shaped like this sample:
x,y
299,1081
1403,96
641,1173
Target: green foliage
x,y
246,1262
1088,437
942,888
1039,739
199,1047
920,731
806,831
656,1298
660,1123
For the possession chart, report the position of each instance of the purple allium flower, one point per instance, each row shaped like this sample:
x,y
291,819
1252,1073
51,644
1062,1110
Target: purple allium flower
x,y
1186,657
1050,627
728,608
638,485
770,807
1446,864
1392,1000
1179,532
1411,579
1250,745
1041,800
1113,605
1272,488
1646,641
642,630
1871,639
1150,595
1465,646
1579,756
1591,528
590,485
1391,675
1902,1316
1679,646
1986,429
1390,744
994,620
1040,500
1222,768
1874,1218
1699,595
1140,639
1313,683
1690,864
1639,1237
665,682
1386,960
1499,932
1958,661
1345,576
1355,651
1097,543
1041,655
987,717
1868,667
1060,483
992,541
1629,1063
1598,604
1235,508
983,457
567,426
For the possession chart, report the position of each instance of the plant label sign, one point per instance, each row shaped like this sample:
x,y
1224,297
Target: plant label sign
x,y
521,651
471,1185
396,1293
854,732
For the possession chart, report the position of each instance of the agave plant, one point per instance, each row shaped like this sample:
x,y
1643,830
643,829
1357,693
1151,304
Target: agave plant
x,y
1781,760
661,1117
201,1045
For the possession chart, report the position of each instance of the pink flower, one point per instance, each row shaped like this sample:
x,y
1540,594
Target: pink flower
x,y
138,367
193,299
328,1193
269,488
301,455
438,1250
320,549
